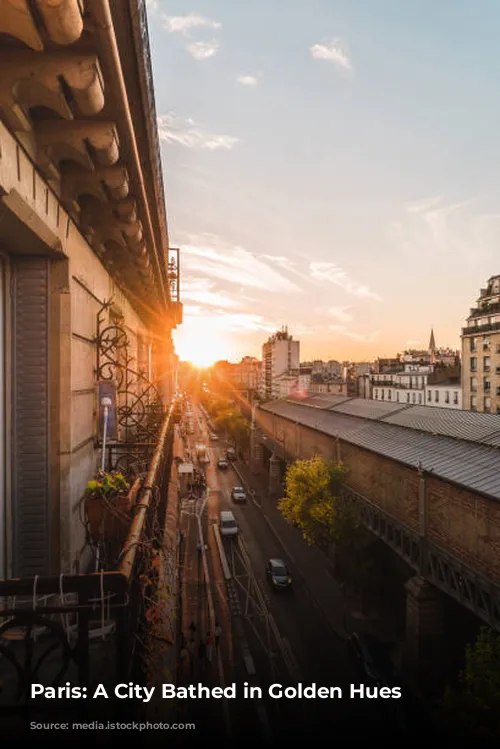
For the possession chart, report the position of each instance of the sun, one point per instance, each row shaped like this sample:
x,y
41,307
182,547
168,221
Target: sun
x,y
202,348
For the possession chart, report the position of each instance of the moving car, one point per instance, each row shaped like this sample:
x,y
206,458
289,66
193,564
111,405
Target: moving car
x,y
372,660
277,574
222,464
231,453
238,494
228,525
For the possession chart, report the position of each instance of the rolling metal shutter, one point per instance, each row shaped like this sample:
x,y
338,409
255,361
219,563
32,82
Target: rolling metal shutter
x,y
30,418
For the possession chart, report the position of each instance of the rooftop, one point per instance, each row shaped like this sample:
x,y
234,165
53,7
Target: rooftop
x,y
459,446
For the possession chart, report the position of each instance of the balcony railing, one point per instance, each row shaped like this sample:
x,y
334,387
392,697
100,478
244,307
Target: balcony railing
x,y
89,628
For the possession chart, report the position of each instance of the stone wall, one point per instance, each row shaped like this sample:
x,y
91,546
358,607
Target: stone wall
x,y
463,523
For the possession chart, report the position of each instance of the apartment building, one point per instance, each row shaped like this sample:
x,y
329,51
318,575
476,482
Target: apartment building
x,y
481,352
280,356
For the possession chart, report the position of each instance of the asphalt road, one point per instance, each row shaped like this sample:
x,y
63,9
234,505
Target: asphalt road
x,y
322,657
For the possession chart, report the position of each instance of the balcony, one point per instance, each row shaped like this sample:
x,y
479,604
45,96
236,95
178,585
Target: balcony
x,y
108,626
481,329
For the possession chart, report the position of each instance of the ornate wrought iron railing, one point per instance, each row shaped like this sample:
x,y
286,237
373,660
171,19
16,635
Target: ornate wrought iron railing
x,y
90,628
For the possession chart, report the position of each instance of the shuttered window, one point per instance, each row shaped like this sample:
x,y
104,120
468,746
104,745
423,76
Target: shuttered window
x,y
30,418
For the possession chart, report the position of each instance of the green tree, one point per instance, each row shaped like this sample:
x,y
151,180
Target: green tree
x,y
313,503
472,708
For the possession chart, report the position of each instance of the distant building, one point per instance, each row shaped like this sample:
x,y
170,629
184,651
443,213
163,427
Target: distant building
x,y
280,356
481,352
243,377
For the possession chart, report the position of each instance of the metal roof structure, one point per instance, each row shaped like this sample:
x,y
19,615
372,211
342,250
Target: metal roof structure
x,y
469,463
322,400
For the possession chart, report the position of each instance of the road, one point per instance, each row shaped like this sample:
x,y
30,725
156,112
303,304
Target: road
x,y
274,638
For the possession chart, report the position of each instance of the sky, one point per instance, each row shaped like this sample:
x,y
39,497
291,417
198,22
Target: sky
x,y
331,166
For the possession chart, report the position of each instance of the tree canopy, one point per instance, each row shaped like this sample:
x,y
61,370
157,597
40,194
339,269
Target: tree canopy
x,y
311,489
473,708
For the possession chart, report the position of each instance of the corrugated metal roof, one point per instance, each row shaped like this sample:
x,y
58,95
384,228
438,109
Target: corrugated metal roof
x,y
320,400
472,465
369,409
463,425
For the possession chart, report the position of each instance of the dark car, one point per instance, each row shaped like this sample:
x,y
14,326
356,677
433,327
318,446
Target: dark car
x,y
277,574
372,659
222,464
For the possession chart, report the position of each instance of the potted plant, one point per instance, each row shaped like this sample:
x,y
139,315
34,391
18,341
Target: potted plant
x,y
108,502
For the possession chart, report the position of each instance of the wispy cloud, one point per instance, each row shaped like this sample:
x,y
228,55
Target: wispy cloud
x,y
185,24
333,274
211,257
341,314
344,332
203,292
185,132
437,228
332,51
412,344
248,80
203,50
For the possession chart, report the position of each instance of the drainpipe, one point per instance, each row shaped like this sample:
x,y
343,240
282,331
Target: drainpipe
x,y
108,51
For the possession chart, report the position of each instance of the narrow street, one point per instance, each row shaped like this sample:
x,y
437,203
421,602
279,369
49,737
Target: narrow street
x,y
268,637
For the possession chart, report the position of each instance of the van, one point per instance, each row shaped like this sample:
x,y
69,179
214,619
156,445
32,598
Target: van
x,y
228,525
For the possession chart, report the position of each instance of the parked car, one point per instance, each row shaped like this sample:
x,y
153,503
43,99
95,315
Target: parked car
x,y
231,453
277,574
238,494
222,464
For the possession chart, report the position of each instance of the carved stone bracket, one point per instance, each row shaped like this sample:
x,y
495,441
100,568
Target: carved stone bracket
x,y
29,80
62,21
107,182
87,143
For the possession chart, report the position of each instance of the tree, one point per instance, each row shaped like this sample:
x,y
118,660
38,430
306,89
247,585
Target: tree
x,y
311,488
313,504
472,708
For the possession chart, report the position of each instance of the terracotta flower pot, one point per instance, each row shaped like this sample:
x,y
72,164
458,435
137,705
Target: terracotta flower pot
x,y
108,518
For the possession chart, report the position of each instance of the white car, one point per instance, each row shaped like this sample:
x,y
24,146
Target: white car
x,y
238,494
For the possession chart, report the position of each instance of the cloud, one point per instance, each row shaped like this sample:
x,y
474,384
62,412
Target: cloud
x,y
185,132
248,80
203,50
152,5
436,228
332,273
346,333
412,344
338,313
185,24
332,51
209,256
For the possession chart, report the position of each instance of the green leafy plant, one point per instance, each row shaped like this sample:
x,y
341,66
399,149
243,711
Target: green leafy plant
x,y
107,485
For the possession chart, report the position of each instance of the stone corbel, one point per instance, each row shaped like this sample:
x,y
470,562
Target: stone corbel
x,y
102,218
62,19
16,20
77,181
30,80
70,141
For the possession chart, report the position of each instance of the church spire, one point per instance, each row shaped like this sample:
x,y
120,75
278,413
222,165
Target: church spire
x,y
432,342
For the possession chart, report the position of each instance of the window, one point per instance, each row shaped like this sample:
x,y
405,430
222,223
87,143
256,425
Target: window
x,y
375,394
420,398
447,396
473,384
487,385
486,344
473,344
486,363
397,395
455,399
413,397
407,397
429,395
487,405
473,403
383,393
497,348
473,364
389,395
436,396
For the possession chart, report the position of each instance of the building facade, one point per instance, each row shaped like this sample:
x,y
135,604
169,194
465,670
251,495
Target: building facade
x,y
280,356
88,283
481,352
